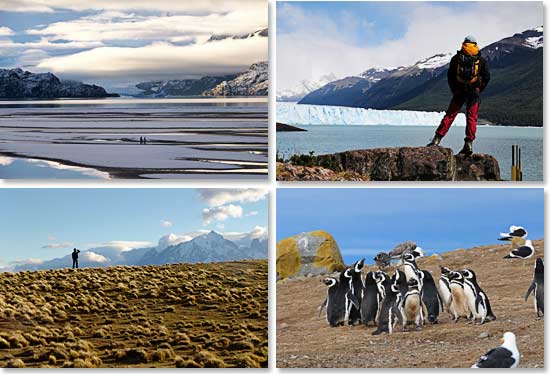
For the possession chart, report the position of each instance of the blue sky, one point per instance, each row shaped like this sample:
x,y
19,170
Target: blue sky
x,y
120,43
317,38
47,223
365,221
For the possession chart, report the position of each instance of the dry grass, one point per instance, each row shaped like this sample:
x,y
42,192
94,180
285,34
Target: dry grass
x,y
305,340
184,315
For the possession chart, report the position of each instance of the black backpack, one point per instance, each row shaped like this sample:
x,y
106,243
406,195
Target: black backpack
x,y
468,68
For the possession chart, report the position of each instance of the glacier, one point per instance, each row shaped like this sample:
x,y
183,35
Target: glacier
x,y
304,114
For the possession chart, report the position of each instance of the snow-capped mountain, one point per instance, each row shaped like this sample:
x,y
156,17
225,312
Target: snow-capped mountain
x,y
516,65
374,75
262,33
206,247
303,88
21,84
253,82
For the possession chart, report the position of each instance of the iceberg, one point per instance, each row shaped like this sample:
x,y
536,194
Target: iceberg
x,y
304,114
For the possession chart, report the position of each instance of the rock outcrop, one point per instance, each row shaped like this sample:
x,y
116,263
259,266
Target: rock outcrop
x,y
289,172
407,164
22,84
308,254
253,82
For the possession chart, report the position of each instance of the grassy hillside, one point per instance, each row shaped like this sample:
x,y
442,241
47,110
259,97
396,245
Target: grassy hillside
x,y
513,97
306,340
199,315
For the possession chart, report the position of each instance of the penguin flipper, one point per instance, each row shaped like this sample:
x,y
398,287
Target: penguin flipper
x,y
353,299
529,290
323,305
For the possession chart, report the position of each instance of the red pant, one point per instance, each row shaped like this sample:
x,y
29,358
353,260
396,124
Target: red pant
x,y
472,108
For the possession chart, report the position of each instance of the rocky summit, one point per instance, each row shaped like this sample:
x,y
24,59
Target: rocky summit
x,y
22,84
253,82
406,164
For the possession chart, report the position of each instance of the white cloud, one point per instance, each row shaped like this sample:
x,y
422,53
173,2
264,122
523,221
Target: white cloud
x,y
221,213
5,31
121,245
251,214
161,59
94,257
58,245
48,6
221,196
166,223
258,232
121,26
319,45
28,261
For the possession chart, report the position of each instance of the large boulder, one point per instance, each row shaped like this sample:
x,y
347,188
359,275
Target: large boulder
x,y
406,164
309,253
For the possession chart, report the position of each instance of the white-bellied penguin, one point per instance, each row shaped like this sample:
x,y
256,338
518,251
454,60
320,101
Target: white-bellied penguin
x,y
476,299
538,287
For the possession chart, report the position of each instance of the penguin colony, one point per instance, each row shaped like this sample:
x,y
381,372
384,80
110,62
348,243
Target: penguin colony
x,y
410,295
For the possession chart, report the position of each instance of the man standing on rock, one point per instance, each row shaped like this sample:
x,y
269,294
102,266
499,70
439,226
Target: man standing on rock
x,y
468,75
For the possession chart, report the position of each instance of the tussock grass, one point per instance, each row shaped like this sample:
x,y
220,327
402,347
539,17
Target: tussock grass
x,y
181,315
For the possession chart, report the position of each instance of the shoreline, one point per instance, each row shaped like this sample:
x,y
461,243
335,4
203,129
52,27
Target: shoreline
x,y
131,173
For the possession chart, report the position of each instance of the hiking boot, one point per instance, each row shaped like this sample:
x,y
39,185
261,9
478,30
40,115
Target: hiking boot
x,y
435,141
467,150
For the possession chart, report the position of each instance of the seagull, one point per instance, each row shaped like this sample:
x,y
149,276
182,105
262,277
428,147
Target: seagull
x,y
524,252
505,356
515,232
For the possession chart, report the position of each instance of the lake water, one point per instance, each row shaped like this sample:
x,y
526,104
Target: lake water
x,y
493,140
189,137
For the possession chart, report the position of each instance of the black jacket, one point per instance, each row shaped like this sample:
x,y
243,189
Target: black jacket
x,y
481,83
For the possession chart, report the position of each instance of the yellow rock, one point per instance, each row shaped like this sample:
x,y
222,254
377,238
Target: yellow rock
x,y
312,253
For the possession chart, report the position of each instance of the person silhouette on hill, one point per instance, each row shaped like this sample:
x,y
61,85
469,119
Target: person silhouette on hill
x,y
468,75
75,258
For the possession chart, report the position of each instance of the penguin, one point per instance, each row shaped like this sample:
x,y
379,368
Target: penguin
x,y
458,307
371,299
353,274
524,252
445,287
505,356
389,312
538,286
431,298
476,299
411,306
382,282
338,300
410,268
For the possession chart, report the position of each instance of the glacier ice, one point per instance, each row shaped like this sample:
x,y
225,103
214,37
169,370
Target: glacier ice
x,y
303,114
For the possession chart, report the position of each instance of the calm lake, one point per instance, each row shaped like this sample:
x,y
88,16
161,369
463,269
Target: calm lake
x,y
493,140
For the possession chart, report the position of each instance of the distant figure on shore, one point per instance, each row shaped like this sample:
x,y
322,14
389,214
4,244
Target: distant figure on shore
x,y
144,140
141,140
468,75
75,258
